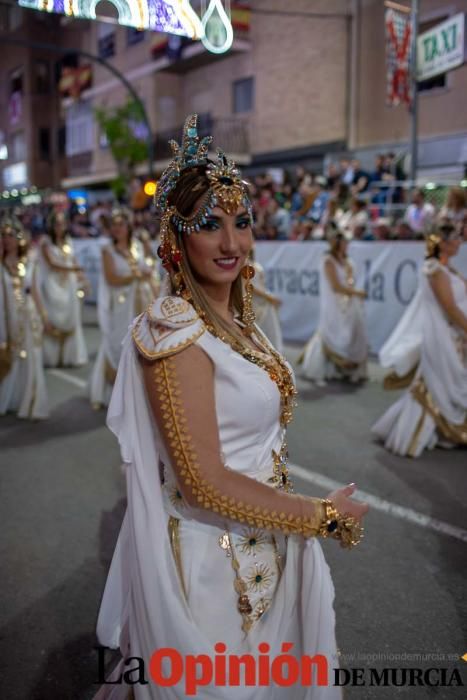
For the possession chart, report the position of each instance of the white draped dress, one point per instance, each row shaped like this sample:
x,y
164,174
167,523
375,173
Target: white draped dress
x,y
65,344
339,347
172,578
22,390
116,309
427,344
266,311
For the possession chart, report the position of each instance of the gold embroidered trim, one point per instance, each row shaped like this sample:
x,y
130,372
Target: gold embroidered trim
x,y
453,432
393,381
156,355
338,360
416,435
174,536
206,495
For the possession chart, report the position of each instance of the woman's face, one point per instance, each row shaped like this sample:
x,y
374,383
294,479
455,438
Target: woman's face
x,y
219,250
119,231
60,225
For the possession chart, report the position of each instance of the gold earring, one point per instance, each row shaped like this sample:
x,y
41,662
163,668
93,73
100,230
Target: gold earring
x,y
248,314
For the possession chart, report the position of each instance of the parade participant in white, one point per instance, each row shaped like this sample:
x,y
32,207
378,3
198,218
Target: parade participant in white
x,y
266,308
433,410
124,291
22,389
60,284
339,347
213,548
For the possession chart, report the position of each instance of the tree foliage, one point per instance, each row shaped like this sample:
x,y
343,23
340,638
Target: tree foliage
x,y
126,133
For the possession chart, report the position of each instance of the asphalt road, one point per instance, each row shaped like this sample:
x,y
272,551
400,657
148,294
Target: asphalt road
x,y
400,596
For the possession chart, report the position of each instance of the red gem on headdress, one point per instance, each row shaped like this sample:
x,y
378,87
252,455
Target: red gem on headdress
x,y
176,257
160,252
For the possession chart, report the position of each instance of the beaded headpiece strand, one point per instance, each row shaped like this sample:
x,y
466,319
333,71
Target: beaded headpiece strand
x,y
227,190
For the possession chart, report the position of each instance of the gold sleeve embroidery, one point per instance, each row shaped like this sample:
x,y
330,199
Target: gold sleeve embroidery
x,y
209,497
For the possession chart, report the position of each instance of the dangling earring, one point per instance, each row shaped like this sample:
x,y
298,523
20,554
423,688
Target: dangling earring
x,y
248,315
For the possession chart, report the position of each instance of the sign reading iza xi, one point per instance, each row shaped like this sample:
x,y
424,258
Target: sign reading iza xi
x,y
441,48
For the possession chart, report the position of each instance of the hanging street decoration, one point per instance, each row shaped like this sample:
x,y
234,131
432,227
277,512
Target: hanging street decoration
x,y
171,16
218,32
398,35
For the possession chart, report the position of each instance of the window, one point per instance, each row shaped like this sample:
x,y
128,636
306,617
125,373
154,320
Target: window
x,y
243,95
437,81
61,140
134,36
44,143
16,81
42,76
79,128
105,40
18,146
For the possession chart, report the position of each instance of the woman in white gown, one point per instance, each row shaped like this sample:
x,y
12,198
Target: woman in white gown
x,y
433,410
22,387
60,283
214,555
266,308
339,347
124,291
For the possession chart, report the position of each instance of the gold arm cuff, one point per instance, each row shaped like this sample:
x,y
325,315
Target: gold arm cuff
x,y
344,528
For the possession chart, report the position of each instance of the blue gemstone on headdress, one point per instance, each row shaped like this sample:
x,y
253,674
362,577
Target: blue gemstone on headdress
x,y
192,149
192,132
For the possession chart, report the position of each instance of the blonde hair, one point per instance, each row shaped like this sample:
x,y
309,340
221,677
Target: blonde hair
x,y
192,185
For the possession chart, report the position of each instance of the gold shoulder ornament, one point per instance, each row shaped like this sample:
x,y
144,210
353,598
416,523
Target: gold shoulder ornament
x,y
168,325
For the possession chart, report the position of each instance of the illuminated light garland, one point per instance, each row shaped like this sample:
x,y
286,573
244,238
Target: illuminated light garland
x,y
215,6
171,16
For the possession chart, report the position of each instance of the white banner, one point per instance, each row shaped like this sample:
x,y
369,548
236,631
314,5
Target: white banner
x,y
388,271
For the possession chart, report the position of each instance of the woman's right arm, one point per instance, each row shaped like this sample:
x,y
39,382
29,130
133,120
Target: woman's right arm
x,y
110,275
180,389
336,284
442,290
54,265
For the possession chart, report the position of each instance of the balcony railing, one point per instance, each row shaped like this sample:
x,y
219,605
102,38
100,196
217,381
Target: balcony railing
x,y
229,133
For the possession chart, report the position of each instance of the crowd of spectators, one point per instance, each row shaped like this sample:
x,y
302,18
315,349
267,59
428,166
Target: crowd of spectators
x,y
302,206
362,205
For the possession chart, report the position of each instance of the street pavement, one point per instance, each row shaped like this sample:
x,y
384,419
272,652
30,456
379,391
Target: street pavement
x,y
400,596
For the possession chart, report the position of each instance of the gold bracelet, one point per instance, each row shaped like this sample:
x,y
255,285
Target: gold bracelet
x,y
344,528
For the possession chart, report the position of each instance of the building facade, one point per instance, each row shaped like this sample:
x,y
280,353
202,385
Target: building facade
x,y
303,83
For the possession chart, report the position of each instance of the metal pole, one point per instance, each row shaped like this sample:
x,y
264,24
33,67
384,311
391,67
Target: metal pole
x,y
110,67
414,106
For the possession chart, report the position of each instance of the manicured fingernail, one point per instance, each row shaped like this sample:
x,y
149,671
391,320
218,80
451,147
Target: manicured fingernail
x,y
352,484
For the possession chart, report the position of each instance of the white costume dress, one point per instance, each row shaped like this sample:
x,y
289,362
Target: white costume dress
x,y
172,579
116,309
339,347
434,408
22,389
266,310
65,344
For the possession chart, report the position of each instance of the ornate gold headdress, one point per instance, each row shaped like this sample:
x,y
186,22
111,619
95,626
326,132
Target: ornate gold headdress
x,y
227,190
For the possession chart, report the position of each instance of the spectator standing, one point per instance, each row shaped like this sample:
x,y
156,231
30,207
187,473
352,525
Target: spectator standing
x,y
420,214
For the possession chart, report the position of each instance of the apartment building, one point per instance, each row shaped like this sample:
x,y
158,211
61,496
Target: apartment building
x,y
304,82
